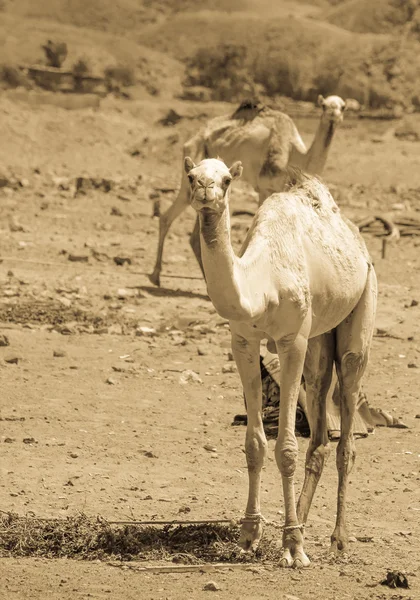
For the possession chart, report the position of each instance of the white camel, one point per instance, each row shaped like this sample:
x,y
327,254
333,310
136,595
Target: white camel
x,y
303,280
266,141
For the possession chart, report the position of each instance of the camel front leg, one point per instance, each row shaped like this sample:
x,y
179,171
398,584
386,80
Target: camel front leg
x,y
195,244
166,219
319,363
292,357
246,353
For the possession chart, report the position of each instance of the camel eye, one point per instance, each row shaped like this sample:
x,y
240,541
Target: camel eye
x,y
191,179
227,181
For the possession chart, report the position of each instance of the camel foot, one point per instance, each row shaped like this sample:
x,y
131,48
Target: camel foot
x,y
155,277
339,542
250,537
296,559
293,554
338,550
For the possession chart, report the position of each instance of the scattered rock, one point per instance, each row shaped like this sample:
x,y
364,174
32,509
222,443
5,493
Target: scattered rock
x,y
30,440
59,353
184,510
84,184
14,224
149,454
395,579
73,455
418,416
146,331
229,368
201,351
412,366
210,448
65,302
4,340
122,260
116,212
111,381
12,359
123,293
9,440
189,376
77,258
211,586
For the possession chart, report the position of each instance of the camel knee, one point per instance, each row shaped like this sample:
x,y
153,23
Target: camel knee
x,y
316,459
255,449
286,457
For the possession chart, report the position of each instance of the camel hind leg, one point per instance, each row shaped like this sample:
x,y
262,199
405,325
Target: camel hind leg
x,y
318,368
353,339
195,148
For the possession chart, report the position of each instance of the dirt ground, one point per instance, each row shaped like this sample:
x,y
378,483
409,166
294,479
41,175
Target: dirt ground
x,y
94,414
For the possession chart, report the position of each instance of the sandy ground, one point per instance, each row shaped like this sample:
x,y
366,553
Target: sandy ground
x,y
87,400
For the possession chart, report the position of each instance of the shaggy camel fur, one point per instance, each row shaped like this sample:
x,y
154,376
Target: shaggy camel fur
x,y
303,280
266,141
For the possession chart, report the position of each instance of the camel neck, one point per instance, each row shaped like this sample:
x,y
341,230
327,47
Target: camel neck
x,y
317,154
221,265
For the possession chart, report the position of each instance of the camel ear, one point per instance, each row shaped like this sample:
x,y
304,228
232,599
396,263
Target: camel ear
x,y
236,170
321,100
188,164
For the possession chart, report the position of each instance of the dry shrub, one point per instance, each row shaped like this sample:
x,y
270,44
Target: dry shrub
x,y
87,538
12,77
121,74
81,67
222,69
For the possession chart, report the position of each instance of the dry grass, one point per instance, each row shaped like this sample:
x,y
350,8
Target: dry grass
x,y
81,537
375,16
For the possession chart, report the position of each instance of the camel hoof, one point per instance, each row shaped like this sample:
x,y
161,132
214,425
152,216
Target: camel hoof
x,y
301,563
155,278
286,560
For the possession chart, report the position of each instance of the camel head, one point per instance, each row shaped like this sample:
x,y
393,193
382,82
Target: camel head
x,y
210,183
333,108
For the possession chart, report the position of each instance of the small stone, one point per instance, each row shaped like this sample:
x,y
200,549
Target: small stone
x,y
210,448
9,440
229,368
30,440
65,302
211,586
12,359
201,351
122,293
145,331
4,340
189,376
59,354
116,212
73,455
412,366
111,381
418,416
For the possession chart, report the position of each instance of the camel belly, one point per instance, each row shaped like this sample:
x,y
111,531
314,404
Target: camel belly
x,y
334,299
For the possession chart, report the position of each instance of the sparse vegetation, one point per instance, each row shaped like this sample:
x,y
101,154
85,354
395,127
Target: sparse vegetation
x,y
12,77
123,75
223,70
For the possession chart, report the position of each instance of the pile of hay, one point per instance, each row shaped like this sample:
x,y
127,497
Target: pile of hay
x,y
82,537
